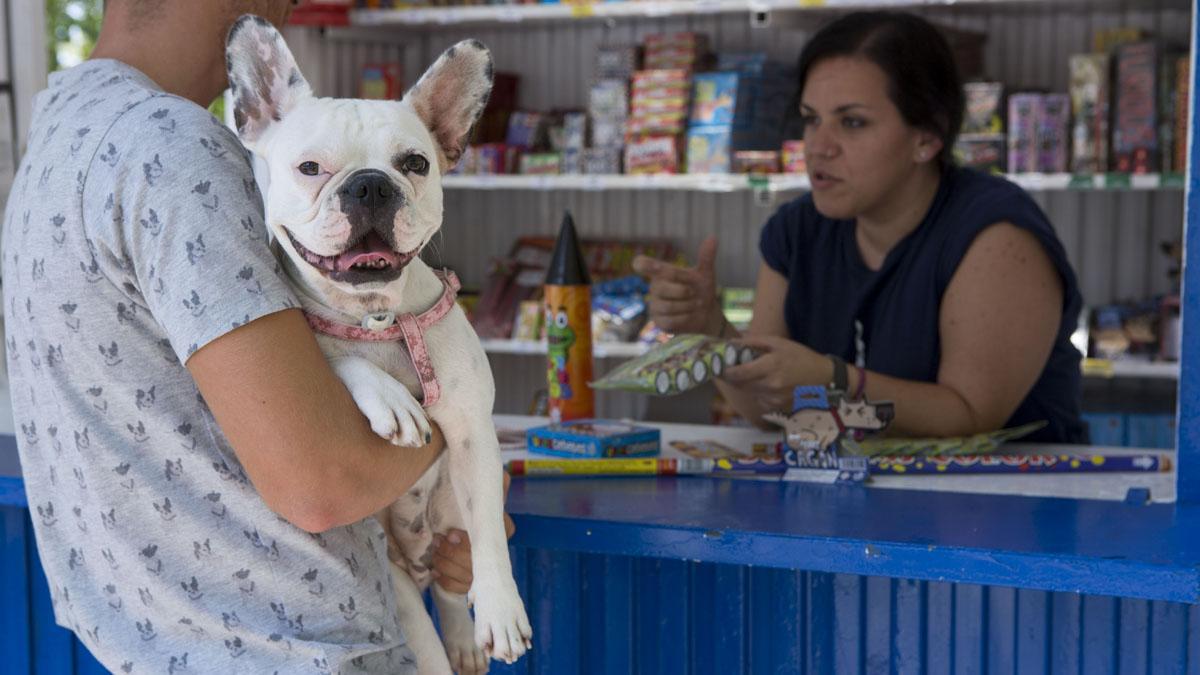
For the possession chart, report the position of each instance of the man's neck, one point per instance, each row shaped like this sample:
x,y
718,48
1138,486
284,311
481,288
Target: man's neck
x,y
878,233
182,54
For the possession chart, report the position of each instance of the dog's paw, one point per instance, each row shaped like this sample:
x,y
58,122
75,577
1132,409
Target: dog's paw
x,y
394,413
502,629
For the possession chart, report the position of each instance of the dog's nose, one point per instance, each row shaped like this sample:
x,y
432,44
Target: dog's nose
x,y
370,189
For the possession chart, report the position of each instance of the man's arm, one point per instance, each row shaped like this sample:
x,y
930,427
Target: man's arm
x,y
304,443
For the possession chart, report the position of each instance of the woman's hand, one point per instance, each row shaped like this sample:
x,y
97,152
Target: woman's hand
x,y
780,367
684,299
452,554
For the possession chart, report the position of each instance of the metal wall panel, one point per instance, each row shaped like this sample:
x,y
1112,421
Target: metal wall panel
x,y
1112,238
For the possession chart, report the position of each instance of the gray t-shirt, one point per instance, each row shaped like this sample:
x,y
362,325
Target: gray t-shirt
x,y
133,236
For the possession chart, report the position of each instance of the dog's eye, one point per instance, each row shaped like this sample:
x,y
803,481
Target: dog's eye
x,y
416,164
309,168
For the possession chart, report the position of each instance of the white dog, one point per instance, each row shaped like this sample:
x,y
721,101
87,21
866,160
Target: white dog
x,y
353,193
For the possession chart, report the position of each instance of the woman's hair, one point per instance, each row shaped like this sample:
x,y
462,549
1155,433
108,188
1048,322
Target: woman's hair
x,y
923,81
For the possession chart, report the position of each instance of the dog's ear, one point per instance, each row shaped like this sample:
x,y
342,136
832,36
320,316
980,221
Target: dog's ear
x,y
265,82
451,95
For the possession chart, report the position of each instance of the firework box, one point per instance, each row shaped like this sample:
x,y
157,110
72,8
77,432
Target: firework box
x,y
658,154
1023,113
1135,138
793,157
594,438
381,81
708,149
714,98
984,152
1053,123
1089,108
984,108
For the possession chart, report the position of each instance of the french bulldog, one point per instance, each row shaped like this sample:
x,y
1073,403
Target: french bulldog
x,y
352,190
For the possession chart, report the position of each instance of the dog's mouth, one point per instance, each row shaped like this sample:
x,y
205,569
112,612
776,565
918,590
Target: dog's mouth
x,y
366,260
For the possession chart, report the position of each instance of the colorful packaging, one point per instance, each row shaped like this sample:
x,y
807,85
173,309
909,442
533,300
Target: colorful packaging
x,y
714,97
793,157
1135,142
756,161
616,62
609,99
656,154
603,161
383,81
1089,107
984,108
708,150
528,325
984,152
525,130
1052,133
594,438
1171,136
1023,113
493,158
541,163
682,363
568,305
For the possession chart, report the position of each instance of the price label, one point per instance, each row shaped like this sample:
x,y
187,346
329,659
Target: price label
x,y
1117,181
582,9
812,3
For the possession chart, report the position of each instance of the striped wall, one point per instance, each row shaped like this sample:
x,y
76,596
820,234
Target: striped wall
x,y
594,614
1112,237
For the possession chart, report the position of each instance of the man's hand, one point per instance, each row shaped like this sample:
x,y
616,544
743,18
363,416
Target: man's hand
x,y
452,554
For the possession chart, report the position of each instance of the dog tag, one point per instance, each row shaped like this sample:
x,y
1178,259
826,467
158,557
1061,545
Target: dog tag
x,y
379,321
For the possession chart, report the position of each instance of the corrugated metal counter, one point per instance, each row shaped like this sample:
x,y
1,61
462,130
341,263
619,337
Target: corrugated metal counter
x,y
707,575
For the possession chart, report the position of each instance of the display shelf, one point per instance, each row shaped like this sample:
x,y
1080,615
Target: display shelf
x,y
1034,182
600,350
1102,368
1131,368
583,10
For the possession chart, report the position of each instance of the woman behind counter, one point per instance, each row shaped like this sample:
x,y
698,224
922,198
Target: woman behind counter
x,y
945,289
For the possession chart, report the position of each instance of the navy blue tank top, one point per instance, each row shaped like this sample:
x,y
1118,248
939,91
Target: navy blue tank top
x,y
888,319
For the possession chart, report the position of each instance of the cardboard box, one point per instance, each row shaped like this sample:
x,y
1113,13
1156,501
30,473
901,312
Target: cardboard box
x,y
594,438
1135,134
1089,108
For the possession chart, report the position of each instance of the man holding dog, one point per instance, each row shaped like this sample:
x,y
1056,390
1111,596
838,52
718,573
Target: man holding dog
x,y
201,483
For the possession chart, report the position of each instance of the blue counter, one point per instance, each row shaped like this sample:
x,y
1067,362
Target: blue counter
x,y
704,575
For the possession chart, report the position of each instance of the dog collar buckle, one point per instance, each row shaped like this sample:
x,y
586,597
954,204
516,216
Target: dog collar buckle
x,y
379,321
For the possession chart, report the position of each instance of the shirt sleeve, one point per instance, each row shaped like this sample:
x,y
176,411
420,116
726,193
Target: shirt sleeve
x,y
777,239
178,218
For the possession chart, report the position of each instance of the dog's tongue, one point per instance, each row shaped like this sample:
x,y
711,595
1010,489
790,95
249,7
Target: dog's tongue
x,y
369,249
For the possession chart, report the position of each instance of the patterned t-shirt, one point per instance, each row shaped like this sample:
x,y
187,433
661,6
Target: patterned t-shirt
x,y
133,236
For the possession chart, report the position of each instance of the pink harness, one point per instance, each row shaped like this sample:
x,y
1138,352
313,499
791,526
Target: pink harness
x,y
404,327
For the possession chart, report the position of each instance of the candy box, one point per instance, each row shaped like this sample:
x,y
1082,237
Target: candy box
x,y
682,363
594,438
